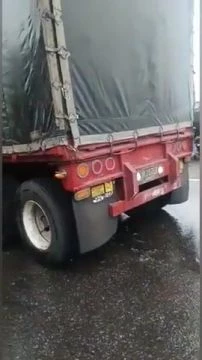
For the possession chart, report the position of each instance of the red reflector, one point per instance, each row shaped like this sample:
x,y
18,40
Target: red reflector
x,y
110,164
97,167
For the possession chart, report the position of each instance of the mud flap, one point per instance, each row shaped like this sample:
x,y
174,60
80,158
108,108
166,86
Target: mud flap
x,y
94,225
9,225
182,194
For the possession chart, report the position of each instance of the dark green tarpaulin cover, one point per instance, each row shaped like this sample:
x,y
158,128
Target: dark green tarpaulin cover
x,y
131,66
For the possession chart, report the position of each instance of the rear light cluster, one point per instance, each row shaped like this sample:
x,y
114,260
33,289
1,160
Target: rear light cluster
x,y
96,167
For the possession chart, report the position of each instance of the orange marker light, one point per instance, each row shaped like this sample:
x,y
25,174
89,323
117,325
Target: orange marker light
x,y
82,194
83,170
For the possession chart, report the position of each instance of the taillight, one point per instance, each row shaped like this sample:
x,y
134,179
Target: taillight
x,y
160,170
82,194
97,167
110,164
83,170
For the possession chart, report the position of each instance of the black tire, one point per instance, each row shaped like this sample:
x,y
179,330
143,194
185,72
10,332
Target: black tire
x,y
10,230
151,207
182,194
56,205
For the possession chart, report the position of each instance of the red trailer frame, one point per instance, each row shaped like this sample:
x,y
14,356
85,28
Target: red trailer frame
x,y
119,161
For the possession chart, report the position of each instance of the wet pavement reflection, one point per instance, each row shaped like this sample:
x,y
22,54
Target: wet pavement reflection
x,y
188,215
137,298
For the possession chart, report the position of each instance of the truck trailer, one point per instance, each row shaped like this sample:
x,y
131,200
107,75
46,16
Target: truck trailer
x,y
97,117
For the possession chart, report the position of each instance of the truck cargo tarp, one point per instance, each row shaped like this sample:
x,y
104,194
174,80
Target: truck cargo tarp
x,y
27,102
131,66
130,61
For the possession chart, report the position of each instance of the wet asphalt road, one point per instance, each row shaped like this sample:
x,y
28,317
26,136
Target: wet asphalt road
x,y
135,299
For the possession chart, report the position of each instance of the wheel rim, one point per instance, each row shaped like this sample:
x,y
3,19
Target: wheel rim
x,y
37,225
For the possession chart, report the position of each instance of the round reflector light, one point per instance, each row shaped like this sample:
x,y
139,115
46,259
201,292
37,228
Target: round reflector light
x,y
97,167
83,170
110,164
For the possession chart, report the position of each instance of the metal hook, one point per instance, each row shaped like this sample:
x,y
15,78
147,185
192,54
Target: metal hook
x,y
110,139
135,136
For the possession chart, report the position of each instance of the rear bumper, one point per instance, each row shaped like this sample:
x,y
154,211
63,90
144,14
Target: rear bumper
x,y
134,195
142,198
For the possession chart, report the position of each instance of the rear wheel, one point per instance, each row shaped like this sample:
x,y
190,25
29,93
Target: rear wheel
x,y
181,195
46,221
37,226
10,185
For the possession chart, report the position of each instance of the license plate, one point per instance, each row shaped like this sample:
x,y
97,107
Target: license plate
x,y
109,187
148,175
104,189
97,191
